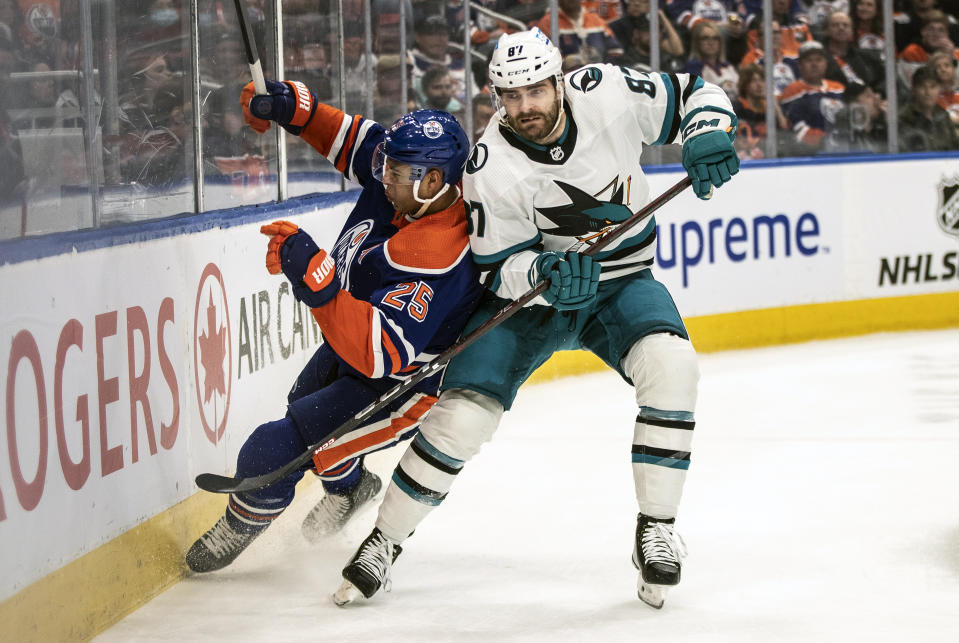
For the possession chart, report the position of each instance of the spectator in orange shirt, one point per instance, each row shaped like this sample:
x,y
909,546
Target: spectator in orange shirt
x,y
582,32
608,10
785,70
793,28
750,108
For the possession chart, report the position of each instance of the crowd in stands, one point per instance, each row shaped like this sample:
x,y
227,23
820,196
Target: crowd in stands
x,y
829,71
829,68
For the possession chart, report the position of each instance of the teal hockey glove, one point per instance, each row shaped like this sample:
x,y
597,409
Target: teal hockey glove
x,y
573,279
710,160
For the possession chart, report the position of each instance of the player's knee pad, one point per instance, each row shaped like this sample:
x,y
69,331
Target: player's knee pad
x,y
461,422
664,371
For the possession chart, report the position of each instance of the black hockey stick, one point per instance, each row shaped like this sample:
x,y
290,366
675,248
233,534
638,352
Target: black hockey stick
x,y
252,57
224,484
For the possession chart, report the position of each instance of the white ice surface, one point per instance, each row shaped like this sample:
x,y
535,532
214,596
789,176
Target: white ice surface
x,y
821,505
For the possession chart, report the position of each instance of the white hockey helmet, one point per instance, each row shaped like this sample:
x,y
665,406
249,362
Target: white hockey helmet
x,y
521,59
524,58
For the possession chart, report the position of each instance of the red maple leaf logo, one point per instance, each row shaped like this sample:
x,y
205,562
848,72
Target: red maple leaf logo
x,y
212,351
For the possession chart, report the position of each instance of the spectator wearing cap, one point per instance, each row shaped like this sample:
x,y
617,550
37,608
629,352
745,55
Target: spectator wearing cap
x,y
924,126
431,43
707,58
846,62
637,41
582,32
861,123
812,102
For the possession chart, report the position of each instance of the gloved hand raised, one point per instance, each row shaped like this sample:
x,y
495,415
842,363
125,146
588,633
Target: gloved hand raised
x,y
290,103
710,160
573,279
311,271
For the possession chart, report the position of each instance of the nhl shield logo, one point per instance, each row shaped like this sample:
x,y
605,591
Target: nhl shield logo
x,y
948,212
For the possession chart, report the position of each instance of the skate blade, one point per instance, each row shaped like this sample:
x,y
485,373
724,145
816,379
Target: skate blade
x,y
346,594
652,595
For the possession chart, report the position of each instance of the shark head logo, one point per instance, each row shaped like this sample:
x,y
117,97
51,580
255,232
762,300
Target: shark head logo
x,y
585,214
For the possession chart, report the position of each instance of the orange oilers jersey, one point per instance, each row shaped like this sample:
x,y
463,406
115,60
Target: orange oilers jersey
x,y
408,286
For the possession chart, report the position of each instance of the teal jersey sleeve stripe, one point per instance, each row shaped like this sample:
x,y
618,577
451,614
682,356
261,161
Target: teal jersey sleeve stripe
x,y
670,111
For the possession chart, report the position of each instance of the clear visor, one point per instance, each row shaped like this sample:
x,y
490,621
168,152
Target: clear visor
x,y
393,171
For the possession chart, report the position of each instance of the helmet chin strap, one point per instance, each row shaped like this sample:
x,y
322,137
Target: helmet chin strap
x,y
427,202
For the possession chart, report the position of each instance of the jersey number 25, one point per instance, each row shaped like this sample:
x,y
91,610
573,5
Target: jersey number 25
x,y
417,305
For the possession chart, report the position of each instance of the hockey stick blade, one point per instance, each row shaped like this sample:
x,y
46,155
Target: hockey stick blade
x,y
224,484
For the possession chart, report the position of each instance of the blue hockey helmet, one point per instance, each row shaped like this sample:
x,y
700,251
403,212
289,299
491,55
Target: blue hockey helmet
x,y
424,139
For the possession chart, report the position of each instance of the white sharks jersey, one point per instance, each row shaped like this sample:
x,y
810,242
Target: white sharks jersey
x,y
524,198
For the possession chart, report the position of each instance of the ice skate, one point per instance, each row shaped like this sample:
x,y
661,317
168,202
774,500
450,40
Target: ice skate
x,y
658,556
334,510
218,547
368,570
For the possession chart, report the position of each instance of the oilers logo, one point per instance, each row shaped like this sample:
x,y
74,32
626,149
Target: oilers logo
x,y
432,129
348,246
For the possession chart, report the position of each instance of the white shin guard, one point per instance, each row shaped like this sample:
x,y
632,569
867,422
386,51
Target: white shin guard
x,y
664,371
453,432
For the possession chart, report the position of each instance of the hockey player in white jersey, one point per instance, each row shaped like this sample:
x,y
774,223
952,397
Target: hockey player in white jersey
x,y
557,166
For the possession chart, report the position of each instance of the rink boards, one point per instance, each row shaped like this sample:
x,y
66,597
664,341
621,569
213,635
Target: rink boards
x,y
137,359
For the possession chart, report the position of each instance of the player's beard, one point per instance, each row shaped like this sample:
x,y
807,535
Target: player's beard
x,y
537,131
